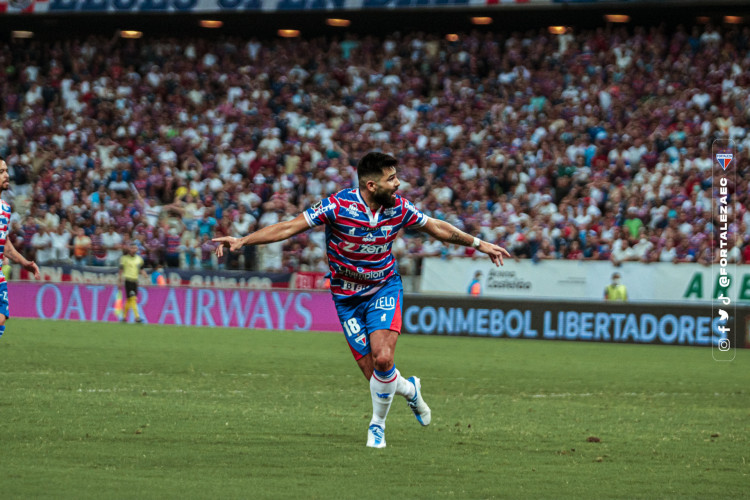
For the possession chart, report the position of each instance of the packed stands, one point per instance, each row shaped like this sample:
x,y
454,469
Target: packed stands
x,y
586,145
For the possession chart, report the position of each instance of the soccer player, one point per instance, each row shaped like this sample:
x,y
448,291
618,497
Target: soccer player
x,y
7,249
361,225
131,266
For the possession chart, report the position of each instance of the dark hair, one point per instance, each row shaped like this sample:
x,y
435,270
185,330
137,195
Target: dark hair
x,y
372,165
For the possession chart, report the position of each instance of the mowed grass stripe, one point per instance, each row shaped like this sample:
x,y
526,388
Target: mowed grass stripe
x,y
93,410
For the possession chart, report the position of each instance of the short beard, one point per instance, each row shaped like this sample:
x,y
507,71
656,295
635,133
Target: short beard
x,y
384,199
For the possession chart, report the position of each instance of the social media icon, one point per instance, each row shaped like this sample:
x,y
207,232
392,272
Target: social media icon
x,y
724,345
723,316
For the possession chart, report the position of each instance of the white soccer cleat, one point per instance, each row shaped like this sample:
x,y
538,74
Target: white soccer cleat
x,y
375,437
417,404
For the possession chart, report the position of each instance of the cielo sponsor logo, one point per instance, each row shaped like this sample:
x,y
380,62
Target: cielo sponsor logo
x,y
386,303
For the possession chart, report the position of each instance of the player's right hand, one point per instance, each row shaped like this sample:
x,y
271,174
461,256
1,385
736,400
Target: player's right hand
x,y
231,242
33,269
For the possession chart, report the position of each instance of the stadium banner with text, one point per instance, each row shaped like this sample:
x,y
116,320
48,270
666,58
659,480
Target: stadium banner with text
x,y
655,282
182,306
603,322
314,311
174,276
188,6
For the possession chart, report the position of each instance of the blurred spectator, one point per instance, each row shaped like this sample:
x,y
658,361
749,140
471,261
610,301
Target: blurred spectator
x,y
41,242
113,244
623,252
172,248
98,250
669,252
310,256
81,248
189,250
207,256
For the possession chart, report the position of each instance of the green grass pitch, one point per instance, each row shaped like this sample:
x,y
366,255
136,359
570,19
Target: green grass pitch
x,y
91,410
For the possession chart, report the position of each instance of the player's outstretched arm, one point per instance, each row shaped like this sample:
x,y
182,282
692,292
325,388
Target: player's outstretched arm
x,y
29,265
269,234
448,233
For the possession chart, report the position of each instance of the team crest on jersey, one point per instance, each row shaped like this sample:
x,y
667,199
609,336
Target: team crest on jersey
x,y
386,230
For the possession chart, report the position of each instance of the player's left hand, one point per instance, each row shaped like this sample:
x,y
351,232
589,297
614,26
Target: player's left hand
x,y
33,268
495,252
231,242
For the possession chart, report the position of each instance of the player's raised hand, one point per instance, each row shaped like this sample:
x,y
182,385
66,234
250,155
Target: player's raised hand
x,y
230,242
495,252
33,268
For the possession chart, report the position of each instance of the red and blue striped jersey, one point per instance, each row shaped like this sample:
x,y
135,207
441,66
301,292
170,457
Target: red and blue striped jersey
x,y
359,242
4,225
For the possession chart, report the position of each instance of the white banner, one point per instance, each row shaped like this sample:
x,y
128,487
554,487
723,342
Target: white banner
x,y
583,280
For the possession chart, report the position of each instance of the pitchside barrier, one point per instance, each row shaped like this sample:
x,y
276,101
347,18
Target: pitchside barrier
x,y
586,280
100,275
592,321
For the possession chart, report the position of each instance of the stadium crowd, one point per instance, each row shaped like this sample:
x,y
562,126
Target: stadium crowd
x,y
590,145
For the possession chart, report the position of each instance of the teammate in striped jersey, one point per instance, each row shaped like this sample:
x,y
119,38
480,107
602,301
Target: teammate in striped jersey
x,y
361,225
7,249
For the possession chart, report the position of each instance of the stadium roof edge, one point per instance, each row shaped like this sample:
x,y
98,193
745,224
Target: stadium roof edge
x,y
438,20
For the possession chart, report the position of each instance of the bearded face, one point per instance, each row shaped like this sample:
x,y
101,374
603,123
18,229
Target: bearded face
x,y
385,197
385,189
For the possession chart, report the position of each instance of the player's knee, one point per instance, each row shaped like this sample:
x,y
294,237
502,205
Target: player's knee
x,y
2,319
383,360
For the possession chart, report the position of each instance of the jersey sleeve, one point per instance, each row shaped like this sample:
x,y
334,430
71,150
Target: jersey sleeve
x,y
412,215
323,212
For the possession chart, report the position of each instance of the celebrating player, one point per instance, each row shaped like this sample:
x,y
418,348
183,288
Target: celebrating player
x,y
7,249
361,225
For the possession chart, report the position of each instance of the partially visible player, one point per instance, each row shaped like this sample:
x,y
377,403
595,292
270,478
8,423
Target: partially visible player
x,y
7,249
361,225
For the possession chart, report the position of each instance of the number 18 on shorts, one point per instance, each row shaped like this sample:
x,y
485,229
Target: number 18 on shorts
x,y
360,317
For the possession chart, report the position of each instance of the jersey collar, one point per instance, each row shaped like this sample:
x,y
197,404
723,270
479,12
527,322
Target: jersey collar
x,y
373,217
